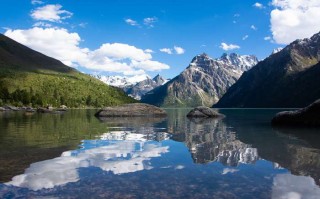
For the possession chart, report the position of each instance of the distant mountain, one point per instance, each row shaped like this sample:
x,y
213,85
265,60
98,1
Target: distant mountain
x,y
116,81
119,81
288,78
141,88
29,77
203,82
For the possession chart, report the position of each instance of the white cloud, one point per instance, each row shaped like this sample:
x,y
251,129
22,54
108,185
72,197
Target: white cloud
x,y
131,22
148,51
150,65
267,38
51,13
42,24
166,50
236,15
150,21
120,51
245,37
253,27
227,47
179,50
35,2
258,5
294,19
109,57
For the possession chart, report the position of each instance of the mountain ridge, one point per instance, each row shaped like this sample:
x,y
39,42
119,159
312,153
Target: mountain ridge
x,y
288,78
203,82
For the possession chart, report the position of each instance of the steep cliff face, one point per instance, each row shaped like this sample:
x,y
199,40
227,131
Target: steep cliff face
x,y
203,82
288,78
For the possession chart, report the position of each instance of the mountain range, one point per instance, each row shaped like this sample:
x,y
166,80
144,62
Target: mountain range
x,y
132,87
203,82
288,78
28,77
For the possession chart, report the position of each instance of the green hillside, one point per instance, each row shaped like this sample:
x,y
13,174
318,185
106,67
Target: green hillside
x,y
28,77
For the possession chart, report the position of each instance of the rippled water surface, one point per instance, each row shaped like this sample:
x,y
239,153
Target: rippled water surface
x,y
75,155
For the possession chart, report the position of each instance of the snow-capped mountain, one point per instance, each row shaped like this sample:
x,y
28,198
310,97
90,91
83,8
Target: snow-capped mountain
x,y
203,82
133,86
117,81
276,50
142,87
242,62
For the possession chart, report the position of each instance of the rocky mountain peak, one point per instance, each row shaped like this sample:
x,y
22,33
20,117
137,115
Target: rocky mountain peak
x,y
200,59
242,62
158,79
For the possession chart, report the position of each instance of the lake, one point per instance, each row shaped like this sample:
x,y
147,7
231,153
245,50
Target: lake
x,y
75,155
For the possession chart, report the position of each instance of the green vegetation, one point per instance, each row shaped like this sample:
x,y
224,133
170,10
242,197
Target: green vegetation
x,y
42,88
30,78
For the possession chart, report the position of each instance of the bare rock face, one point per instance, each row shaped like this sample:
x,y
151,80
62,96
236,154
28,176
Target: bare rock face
x,y
308,116
131,110
202,83
202,111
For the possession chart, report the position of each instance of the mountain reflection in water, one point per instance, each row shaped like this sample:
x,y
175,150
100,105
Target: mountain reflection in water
x,y
240,156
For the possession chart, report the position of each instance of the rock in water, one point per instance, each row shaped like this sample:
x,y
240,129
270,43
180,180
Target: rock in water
x,y
202,111
309,116
131,110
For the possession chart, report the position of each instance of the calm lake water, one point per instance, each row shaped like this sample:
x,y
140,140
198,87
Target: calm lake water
x,y
75,155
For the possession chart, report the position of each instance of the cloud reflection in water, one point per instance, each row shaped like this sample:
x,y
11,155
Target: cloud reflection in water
x,y
118,152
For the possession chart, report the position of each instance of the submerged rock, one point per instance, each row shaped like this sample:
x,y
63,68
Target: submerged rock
x,y
309,116
202,111
131,110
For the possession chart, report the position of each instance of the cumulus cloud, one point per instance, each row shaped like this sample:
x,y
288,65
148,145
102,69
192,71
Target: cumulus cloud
x,y
109,57
227,47
166,50
179,50
245,37
291,20
258,5
149,21
35,2
51,13
131,22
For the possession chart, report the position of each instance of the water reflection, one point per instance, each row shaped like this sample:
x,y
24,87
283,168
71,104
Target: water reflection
x,y
211,140
290,186
240,156
117,152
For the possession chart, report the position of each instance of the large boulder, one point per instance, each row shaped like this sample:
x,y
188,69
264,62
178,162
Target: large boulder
x,y
309,116
202,111
131,110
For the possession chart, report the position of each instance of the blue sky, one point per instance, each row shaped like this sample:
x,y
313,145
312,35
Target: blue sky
x,y
116,37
